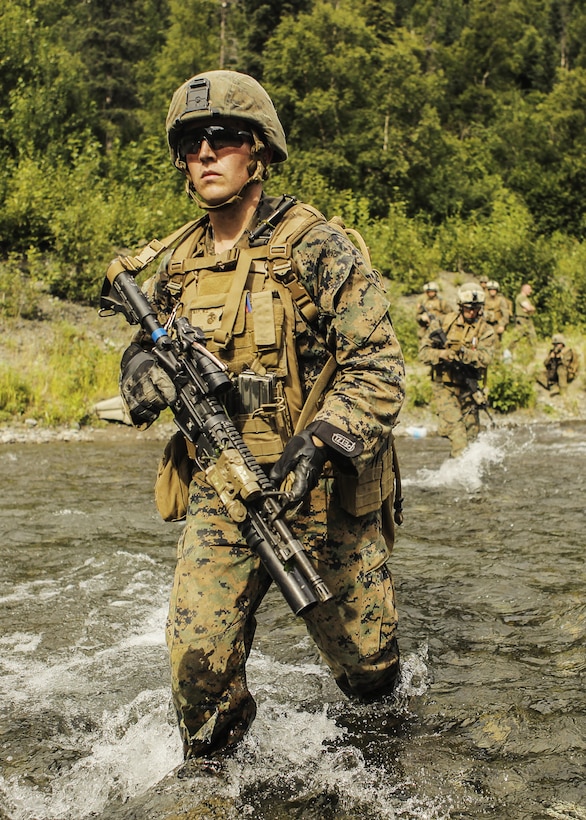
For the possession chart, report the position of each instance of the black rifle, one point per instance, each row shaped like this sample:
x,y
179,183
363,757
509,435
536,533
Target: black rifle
x,y
201,382
467,372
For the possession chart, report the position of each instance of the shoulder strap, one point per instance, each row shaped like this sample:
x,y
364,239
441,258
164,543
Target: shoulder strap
x,y
156,247
319,388
299,220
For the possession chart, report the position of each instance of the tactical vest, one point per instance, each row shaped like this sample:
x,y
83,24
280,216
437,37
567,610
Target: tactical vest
x,y
493,310
458,336
250,304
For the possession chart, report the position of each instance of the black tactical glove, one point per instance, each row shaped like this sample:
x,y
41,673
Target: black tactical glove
x,y
305,460
144,386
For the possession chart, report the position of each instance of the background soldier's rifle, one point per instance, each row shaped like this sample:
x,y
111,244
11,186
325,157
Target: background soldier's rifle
x,y
201,382
429,318
467,372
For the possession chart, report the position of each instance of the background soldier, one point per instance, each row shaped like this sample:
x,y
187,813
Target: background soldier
x,y
496,310
561,366
459,347
524,312
430,307
281,295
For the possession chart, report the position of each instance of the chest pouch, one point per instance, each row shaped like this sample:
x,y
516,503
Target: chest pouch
x,y
240,309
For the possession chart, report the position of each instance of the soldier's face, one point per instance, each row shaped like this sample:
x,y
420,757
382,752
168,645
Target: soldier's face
x,y
219,173
470,313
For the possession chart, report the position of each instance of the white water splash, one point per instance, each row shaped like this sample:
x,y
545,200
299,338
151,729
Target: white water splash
x,y
468,470
132,748
301,749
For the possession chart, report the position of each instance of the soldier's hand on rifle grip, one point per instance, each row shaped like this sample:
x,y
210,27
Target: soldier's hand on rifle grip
x,y
305,460
144,386
469,357
447,355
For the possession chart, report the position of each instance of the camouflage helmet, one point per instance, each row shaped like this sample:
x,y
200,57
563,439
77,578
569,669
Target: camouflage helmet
x,y
557,339
492,285
430,286
217,95
471,294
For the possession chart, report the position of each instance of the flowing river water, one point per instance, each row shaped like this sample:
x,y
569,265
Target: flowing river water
x,y
489,719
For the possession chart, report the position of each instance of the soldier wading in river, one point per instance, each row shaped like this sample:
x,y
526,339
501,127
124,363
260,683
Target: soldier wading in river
x,y
560,366
281,301
459,347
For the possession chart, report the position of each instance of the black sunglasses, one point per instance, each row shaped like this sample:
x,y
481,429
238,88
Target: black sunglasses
x,y
216,136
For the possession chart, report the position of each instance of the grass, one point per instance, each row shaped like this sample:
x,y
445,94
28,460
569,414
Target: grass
x,y
60,379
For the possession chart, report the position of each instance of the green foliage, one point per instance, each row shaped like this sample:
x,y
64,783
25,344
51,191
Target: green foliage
x,y
79,373
15,393
405,328
419,391
19,288
452,134
510,388
64,382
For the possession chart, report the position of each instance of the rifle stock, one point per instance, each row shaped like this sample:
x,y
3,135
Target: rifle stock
x,y
231,469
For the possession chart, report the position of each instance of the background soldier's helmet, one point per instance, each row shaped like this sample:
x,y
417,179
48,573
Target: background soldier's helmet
x,y
557,339
216,95
492,285
471,294
430,286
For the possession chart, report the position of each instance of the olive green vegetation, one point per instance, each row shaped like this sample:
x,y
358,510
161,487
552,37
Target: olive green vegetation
x,y
451,134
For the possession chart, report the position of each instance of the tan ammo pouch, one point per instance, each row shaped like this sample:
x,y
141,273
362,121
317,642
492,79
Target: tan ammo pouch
x,y
263,435
360,495
173,479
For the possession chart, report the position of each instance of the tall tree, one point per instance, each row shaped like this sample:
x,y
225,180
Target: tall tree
x,y
115,41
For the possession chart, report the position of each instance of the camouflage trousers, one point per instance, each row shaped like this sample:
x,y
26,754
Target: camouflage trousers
x,y
555,380
218,586
458,415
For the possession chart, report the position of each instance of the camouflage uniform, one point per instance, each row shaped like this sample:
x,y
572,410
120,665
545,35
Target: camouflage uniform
x,y
219,582
454,400
428,309
524,327
496,312
561,367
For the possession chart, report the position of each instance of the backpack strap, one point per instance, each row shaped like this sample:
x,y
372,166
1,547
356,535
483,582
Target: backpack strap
x,y
319,388
280,256
136,264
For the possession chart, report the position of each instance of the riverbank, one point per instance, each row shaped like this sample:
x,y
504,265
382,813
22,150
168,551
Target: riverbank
x,y
29,348
413,422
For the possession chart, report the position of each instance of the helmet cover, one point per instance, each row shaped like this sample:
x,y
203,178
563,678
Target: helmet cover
x,y
217,95
471,294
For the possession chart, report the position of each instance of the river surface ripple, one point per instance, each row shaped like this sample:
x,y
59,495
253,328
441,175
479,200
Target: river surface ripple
x,y
489,717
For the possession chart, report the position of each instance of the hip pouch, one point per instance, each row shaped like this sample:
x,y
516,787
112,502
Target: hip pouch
x,y
360,495
173,479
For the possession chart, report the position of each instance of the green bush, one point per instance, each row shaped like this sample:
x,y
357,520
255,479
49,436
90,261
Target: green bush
x,y
15,394
509,389
19,289
419,391
405,328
